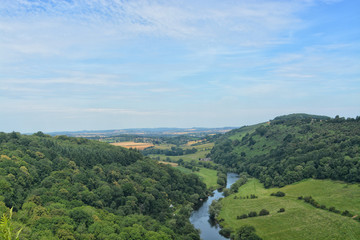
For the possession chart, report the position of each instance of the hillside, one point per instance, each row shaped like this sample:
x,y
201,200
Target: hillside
x,y
291,148
74,188
299,219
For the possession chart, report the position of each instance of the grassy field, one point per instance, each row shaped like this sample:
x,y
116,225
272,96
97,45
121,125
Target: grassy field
x,y
187,157
207,175
300,220
203,150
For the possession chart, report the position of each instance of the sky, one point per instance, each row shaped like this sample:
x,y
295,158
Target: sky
x,y
68,65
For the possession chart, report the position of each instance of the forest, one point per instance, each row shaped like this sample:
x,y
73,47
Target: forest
x,y
74,188
294,147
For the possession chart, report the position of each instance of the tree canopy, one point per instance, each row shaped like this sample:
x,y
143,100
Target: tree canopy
x,y
292,148
74,188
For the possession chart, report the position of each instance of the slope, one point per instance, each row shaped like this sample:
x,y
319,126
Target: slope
x,y
74,188
289,149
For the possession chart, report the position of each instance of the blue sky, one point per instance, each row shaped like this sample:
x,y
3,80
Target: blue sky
x,y
112,64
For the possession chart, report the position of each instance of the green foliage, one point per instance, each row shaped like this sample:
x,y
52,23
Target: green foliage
x,y
278,194
252,214
174,151
6,227
246,232
294,147
281,210
74,188
264,212
214,209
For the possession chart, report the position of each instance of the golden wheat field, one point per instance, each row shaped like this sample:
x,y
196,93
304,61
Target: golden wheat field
x,y
139,146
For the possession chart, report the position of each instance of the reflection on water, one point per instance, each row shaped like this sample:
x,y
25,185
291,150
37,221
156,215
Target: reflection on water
x,y
200,217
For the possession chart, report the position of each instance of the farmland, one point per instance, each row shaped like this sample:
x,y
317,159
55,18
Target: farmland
x,y
300,219
139,146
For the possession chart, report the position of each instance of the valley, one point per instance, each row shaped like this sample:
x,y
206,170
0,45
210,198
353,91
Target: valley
x,y
123,181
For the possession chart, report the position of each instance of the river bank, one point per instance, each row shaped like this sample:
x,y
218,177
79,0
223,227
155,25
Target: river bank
x,y
200,217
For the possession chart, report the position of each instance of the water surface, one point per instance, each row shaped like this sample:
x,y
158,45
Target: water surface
x,y
200,217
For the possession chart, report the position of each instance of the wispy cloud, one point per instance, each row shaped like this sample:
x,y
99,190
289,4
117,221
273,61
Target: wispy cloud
x,y
107,59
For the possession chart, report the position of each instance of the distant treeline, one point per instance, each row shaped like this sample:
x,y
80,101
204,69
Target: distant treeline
x,y
174,151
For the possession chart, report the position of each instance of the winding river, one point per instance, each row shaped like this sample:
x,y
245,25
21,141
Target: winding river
x,y
200,217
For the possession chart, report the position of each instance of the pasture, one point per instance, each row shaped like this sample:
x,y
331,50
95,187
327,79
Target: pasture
x,y
300,220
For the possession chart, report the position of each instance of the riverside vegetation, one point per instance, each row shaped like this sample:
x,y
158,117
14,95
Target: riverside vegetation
x,y
294,156
299,179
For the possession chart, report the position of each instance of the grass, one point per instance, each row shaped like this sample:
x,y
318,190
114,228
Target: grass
x,y
203,150
300,220
209,176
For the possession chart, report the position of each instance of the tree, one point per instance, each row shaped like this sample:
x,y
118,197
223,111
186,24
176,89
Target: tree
x,y
264,212
214,209
246,232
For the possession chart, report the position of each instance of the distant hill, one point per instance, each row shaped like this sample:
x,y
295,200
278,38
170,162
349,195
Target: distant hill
x,y
196,131
293,147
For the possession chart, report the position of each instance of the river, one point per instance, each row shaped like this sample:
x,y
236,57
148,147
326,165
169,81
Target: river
x,y
200,217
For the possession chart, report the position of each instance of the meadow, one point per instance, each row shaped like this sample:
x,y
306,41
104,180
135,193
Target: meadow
x,y
202,151
208,176
300,219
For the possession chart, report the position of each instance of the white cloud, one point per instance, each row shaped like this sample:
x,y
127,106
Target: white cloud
x,y
32,27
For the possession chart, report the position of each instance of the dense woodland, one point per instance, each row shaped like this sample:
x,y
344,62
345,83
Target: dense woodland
x,y
294,147
173,151
74,188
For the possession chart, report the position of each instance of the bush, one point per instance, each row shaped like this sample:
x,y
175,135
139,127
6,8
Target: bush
x,y
332,209
264,212
281,210
226,232
252,214
246,232
242,216
252,196
300,198
346,213
278,194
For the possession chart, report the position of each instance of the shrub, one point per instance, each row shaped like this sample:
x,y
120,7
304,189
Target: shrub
x,y
332,209
346,213
281,210
246,232
300,198
263,212
242,216
252,196
323,206
252,214
226,232
308,199
278,194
